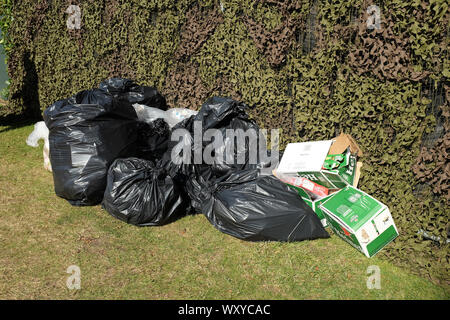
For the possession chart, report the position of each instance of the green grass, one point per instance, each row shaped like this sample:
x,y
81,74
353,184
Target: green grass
x,y
41,235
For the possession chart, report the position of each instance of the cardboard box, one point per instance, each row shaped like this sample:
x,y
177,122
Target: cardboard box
x,y
302,167
313,204
359,219
300,182
334,179
307,160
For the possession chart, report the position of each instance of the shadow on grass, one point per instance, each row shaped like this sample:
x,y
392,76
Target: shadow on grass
x,y
13,122
29,96
172,220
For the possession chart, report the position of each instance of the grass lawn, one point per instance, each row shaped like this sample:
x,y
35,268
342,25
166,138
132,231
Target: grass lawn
x,y
42,235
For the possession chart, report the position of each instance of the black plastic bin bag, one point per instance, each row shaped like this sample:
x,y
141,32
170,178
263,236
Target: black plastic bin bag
x,y
249,206
143,194
216,113
224,114
126,91
153,139
88,131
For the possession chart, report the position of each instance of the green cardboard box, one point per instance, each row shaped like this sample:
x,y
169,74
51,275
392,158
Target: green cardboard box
x,y
334,179
313,204
334,161
359,219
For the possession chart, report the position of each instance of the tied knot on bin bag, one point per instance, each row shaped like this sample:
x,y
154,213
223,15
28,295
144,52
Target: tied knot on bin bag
x,y
155,173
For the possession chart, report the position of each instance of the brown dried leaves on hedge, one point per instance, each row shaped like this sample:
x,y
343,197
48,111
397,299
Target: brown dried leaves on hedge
x,y
381,52
433,164
200,24
272,44
184,87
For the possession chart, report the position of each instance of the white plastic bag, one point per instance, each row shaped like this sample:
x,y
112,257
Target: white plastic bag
x,y
171,116
175,115
148,114
41,132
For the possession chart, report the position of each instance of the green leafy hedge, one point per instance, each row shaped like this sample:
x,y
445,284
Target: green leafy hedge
x,y
311,68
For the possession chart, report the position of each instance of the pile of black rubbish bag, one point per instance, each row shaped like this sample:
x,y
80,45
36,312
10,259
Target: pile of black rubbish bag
x,y
101,152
